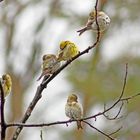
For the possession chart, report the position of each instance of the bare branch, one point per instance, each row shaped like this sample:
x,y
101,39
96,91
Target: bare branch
x,y
69,121
2,102
129,98
116,116
125,80
116,131
41,135
98,28
108,136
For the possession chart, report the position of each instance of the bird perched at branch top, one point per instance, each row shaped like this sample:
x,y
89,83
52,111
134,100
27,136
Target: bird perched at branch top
x,y
6,84
67,51
49,65
73,109
103,21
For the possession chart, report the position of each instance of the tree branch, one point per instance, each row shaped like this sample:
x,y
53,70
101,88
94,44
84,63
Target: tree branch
x,y
116,131
3,124
108,136
68,121
21,125
116,116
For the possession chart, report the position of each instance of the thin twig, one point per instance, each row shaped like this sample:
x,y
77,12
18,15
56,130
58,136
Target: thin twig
x,y
108,136
41,135
131,97
116,116
125,80
96,20
3,124
116,131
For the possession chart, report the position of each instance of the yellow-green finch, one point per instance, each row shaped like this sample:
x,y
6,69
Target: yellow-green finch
x,y
73,109
67,51
102,19
6,84
49,65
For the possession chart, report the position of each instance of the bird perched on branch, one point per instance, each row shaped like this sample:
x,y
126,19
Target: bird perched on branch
x,y
6,84
50,64
103,21
67,51
73,109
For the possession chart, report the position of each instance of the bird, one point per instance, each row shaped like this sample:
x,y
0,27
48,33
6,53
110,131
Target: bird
x,y
6,84
103,21
50,64
67,51
73,109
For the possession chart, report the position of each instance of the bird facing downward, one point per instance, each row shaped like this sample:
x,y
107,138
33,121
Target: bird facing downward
x,y
6,84
67,51
49,65
73,109
102,19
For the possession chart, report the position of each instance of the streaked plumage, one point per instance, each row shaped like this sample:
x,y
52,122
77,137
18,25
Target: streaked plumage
x,y
103,22
49,65
73,109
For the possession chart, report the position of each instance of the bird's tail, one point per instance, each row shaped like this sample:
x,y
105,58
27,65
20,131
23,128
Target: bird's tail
x,y
79,125
81,31
40,77
45,74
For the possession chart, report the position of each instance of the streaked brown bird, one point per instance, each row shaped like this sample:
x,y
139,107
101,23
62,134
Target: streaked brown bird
x,y
73,109
50,64
102,19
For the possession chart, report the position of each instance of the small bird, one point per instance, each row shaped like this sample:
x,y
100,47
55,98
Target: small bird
x,y
50,64
6,84
73,109
102,19
67,51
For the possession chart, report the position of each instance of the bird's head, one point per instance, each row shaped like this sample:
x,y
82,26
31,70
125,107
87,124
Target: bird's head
x,y
6,78
63,44
48,56
72,98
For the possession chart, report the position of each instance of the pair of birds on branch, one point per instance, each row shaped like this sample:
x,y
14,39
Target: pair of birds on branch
x,y
51,63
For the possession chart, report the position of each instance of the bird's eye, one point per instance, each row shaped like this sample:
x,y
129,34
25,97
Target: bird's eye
x,y
107,18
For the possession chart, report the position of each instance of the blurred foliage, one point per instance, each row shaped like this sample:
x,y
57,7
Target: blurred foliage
x,y
95,79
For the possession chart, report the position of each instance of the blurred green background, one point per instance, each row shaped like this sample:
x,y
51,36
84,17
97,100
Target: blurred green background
x,y
30,28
